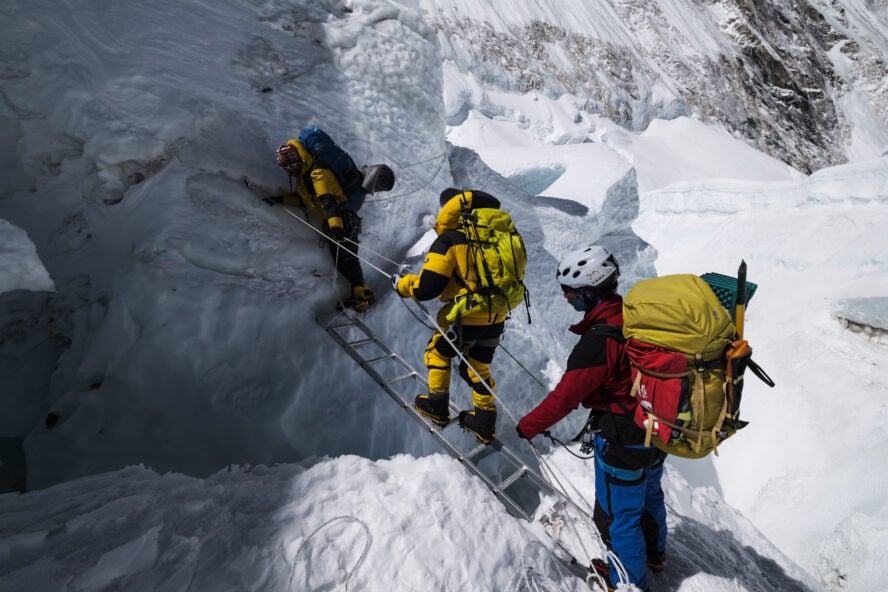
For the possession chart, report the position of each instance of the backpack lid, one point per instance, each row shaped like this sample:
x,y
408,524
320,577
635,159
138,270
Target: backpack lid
x,y
676,312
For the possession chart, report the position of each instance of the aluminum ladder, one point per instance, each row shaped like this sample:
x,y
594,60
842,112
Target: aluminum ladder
x,y
513,482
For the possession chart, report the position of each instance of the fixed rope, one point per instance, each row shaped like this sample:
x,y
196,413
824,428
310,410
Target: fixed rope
x,y
529,578
548,472
328,237
523,367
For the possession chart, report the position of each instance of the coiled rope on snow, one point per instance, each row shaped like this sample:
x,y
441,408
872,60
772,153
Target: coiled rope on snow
x,y
326,524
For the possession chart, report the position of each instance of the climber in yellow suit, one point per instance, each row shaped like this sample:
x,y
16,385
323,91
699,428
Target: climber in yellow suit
x,y
447,273
317,190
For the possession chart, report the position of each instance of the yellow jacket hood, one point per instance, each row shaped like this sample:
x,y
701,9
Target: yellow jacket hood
x,y
448,216
304,154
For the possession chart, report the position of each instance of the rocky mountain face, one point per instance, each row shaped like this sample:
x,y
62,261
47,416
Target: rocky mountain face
x,y
776,72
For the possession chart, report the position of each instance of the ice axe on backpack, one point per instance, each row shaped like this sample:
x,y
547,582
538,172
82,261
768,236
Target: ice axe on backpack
x,y
738,356
740,303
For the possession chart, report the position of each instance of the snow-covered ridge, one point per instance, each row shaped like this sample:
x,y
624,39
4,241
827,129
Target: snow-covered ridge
x,y
865,315
731,196
803,83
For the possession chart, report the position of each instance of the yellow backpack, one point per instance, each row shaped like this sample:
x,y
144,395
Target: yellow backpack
x,y
688,364
499,257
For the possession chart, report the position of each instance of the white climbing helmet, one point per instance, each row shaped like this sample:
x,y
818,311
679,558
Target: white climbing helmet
x,y
592,266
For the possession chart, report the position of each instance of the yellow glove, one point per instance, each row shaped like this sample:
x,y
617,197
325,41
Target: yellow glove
x,y
404,285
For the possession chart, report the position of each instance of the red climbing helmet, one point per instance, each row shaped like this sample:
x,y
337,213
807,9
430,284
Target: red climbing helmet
x,y
288,159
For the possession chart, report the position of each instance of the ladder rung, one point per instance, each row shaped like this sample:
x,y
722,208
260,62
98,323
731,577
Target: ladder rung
x,y
379,359
400,378
512,478
360,342
474,451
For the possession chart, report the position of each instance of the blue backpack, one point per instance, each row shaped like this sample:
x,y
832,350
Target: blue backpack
x,y
330,156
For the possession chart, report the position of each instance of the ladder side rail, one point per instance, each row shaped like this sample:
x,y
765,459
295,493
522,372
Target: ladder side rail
x,y
511,505
533,475
466,458
371,337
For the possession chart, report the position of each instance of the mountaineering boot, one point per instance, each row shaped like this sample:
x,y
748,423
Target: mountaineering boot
x,y
657,562
363,292
356,305
362,297
480,422
435,406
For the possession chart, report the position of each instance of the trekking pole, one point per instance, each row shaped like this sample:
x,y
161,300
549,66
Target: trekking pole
x,y
740,304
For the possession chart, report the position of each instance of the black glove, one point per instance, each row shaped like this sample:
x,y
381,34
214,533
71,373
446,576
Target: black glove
x,y
273,199
520,433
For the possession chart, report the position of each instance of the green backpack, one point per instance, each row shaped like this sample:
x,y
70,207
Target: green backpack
x,y
499,257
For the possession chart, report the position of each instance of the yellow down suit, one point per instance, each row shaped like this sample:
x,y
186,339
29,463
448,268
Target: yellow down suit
x,y
447,273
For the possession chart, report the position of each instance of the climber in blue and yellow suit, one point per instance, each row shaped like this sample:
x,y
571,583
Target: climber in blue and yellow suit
x,y
447,273
316,189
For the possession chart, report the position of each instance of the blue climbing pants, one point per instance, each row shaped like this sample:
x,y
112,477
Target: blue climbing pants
x,y
630,511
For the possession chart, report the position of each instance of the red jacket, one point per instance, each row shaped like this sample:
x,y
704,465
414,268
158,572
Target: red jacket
x,y
596,364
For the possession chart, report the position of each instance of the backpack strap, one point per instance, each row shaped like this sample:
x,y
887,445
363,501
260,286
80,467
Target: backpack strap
x,y
606,330
615,333
473,238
